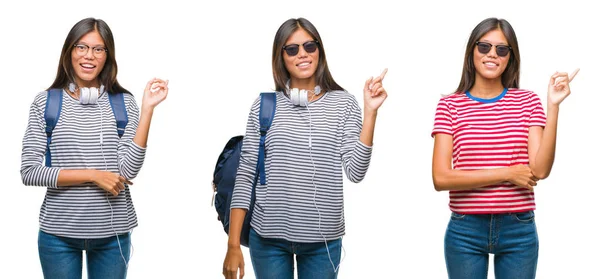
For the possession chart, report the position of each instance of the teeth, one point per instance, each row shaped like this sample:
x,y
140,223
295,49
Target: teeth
x,y
87,65
490,64
303,64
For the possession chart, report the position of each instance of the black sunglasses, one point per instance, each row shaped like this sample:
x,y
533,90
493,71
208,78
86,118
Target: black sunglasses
x,y
293,49
501,50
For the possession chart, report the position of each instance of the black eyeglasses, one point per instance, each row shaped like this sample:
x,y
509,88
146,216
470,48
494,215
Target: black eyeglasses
x,y
293,49
82,50
501,50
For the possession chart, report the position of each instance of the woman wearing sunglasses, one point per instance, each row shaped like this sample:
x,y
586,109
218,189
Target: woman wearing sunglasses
x,y
317,130
493,142
89,161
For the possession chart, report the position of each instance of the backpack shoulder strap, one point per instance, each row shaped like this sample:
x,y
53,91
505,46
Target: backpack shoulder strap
x,y
54,98
117,103
268,103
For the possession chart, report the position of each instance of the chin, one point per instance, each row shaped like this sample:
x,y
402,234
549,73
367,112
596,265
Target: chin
x,y
305,75
493,76
87,77
490,75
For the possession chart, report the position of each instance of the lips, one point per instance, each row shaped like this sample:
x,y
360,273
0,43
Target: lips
x,y
304,65
87,66
490,64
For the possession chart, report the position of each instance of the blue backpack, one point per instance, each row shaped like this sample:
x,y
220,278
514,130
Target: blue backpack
x,y
227,165
54,101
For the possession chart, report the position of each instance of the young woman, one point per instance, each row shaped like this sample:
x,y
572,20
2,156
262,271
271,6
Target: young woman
x,y
300,209
493,142
87,205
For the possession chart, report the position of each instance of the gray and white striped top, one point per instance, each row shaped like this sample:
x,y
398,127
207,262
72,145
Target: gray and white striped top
x,y
82,211
285,207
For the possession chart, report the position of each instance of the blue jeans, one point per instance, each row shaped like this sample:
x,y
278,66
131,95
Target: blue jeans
x,y
61,257
274,258
512,238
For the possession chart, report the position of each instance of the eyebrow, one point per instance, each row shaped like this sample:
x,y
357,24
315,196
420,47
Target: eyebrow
x,y
494,43
84,43
311,40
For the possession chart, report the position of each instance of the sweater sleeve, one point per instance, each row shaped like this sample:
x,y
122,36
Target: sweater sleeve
x,y
33,170
356,156
131,155
248,158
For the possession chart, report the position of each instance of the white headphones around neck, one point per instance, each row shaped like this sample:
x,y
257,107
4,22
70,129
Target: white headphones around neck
x,y
87,95
299,97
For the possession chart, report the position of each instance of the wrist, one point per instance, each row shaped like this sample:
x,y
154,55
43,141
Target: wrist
x,y
233,244
552,107
369,112
91,175
147,110
506,174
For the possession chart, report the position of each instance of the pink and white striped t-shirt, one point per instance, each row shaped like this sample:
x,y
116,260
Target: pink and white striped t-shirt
x,y
488,134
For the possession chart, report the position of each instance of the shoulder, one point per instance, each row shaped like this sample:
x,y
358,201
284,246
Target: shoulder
x,y
258,99
341,94
40,98
453,100
453,97
519,94
341,97
128,99
255,108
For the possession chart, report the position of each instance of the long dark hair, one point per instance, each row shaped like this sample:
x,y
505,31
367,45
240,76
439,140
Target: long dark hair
x,y
281,75
108,76
510,76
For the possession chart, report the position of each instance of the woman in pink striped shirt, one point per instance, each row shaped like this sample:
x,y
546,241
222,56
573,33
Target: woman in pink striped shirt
x,y
493,142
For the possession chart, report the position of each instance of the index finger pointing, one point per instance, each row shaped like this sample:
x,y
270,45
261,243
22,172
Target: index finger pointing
x,y
573,74
383,74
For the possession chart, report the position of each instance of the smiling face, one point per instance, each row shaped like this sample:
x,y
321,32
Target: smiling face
x,y
303,65
88,66
490,66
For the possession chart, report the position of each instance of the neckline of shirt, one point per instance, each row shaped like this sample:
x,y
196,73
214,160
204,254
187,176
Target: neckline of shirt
x,y
482,100
77,100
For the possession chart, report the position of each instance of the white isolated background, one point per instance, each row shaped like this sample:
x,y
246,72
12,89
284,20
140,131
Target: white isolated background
x,y
217,57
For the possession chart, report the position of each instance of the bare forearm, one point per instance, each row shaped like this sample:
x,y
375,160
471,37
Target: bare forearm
x,y
141,135
465,180
74,177
236,221
368,127
544,159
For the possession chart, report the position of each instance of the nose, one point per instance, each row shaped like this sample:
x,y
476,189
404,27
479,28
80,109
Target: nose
x,y
492,52
302,52
89,54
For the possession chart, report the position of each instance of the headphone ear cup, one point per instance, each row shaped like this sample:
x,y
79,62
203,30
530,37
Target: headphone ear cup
x,y
294,96
317,90
93,95
84,95
299,97
303,98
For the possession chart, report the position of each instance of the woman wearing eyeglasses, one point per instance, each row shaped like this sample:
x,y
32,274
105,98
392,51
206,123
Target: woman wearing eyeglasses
x,y
89,160
493,142
317,130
